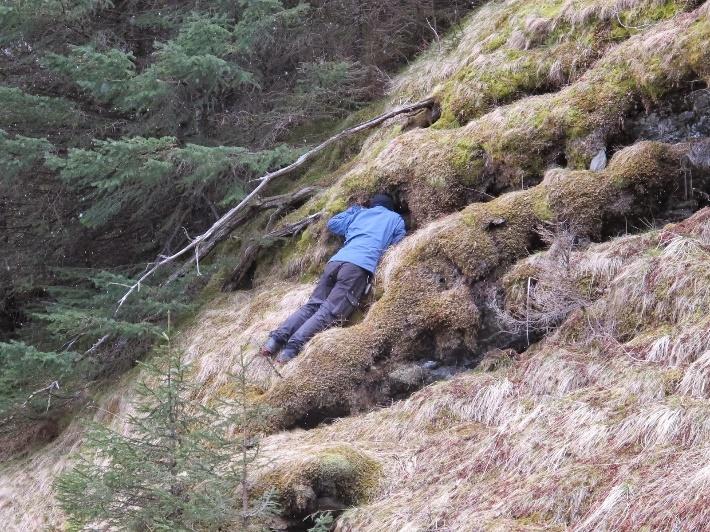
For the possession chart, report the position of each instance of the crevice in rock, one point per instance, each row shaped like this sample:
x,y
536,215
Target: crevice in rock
x,y
683,115
321,416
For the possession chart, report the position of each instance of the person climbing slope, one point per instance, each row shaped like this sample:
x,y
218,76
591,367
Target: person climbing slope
x,y
368,233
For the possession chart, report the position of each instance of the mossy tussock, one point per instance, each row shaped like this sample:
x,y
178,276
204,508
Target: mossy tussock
x,y
585,430
332,477
428,279
506,49
440,171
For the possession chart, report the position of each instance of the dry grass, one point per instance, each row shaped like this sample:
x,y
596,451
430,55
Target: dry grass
x,y
509,49
571,437
27,496
603,425
240,321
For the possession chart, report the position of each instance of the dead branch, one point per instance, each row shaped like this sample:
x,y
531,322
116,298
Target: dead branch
x,y
280,203
251,251
265,180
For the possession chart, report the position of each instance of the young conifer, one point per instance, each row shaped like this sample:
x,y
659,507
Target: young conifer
x,y
176,466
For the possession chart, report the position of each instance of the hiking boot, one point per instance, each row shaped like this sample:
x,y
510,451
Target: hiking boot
x,y
286,356
270,348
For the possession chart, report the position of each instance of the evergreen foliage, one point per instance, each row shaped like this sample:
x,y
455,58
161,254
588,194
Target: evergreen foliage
x,y
82,311
21,18
82,338
127,126
142,175
175,467
22,112
20,154
104,75
26,369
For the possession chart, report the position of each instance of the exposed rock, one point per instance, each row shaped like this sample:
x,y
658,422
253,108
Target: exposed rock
x,y
406,379
681,118
598,161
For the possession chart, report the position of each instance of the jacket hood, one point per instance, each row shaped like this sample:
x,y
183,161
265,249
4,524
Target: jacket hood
x,y
382,200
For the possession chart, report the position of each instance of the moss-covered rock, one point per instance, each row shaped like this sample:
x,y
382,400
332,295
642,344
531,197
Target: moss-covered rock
x,y
428,305
437,171
333,476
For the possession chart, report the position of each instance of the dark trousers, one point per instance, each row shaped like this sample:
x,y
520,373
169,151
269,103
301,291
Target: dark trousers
x,y
335,297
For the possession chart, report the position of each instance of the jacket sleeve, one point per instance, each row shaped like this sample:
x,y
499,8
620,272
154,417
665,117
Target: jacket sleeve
x,y
339,223
399,232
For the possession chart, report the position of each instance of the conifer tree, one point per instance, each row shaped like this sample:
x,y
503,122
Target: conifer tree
x,y
127,127
176,466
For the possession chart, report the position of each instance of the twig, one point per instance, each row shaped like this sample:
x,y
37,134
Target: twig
x,y
265,180
97,344
273,366
281,203
618,19
436,34
53,386
251,251
527,315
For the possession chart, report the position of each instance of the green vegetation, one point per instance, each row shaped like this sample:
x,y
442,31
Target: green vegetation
x,y
176,468
126,129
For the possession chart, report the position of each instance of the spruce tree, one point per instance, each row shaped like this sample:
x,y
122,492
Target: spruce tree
x,y
176,466
127,127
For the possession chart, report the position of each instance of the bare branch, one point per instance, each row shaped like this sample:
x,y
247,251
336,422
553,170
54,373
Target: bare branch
x,y
265,180
281,203
251,251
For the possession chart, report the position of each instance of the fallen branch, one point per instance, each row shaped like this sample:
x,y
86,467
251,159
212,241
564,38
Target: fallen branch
x,y
280,203
251,251
54,385
265,180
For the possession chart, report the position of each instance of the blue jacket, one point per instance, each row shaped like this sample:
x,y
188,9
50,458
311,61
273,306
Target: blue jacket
x,y
368,233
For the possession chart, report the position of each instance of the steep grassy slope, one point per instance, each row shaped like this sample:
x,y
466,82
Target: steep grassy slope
x,y
602,425
599,416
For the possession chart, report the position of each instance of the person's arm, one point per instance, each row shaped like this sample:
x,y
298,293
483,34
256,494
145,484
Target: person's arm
x,y
339,223
399,232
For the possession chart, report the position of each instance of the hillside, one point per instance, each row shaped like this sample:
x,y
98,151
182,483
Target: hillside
x,y
536,353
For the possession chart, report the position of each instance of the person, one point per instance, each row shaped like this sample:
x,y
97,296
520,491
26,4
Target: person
x,y
368,233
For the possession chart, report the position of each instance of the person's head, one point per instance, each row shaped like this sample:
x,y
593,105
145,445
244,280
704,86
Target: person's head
x,y
382,200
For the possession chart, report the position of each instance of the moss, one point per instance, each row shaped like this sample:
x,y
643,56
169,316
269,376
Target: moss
x,y
631,21
467,160
547,9
447,120
541,206
336,205
518,142
339,472
496,40
671,380
355,475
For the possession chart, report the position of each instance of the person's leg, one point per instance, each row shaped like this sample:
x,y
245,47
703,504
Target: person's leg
x,y
339,305
278,337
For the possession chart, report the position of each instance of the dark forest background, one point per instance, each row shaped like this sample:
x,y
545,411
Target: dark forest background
x,y
126,126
